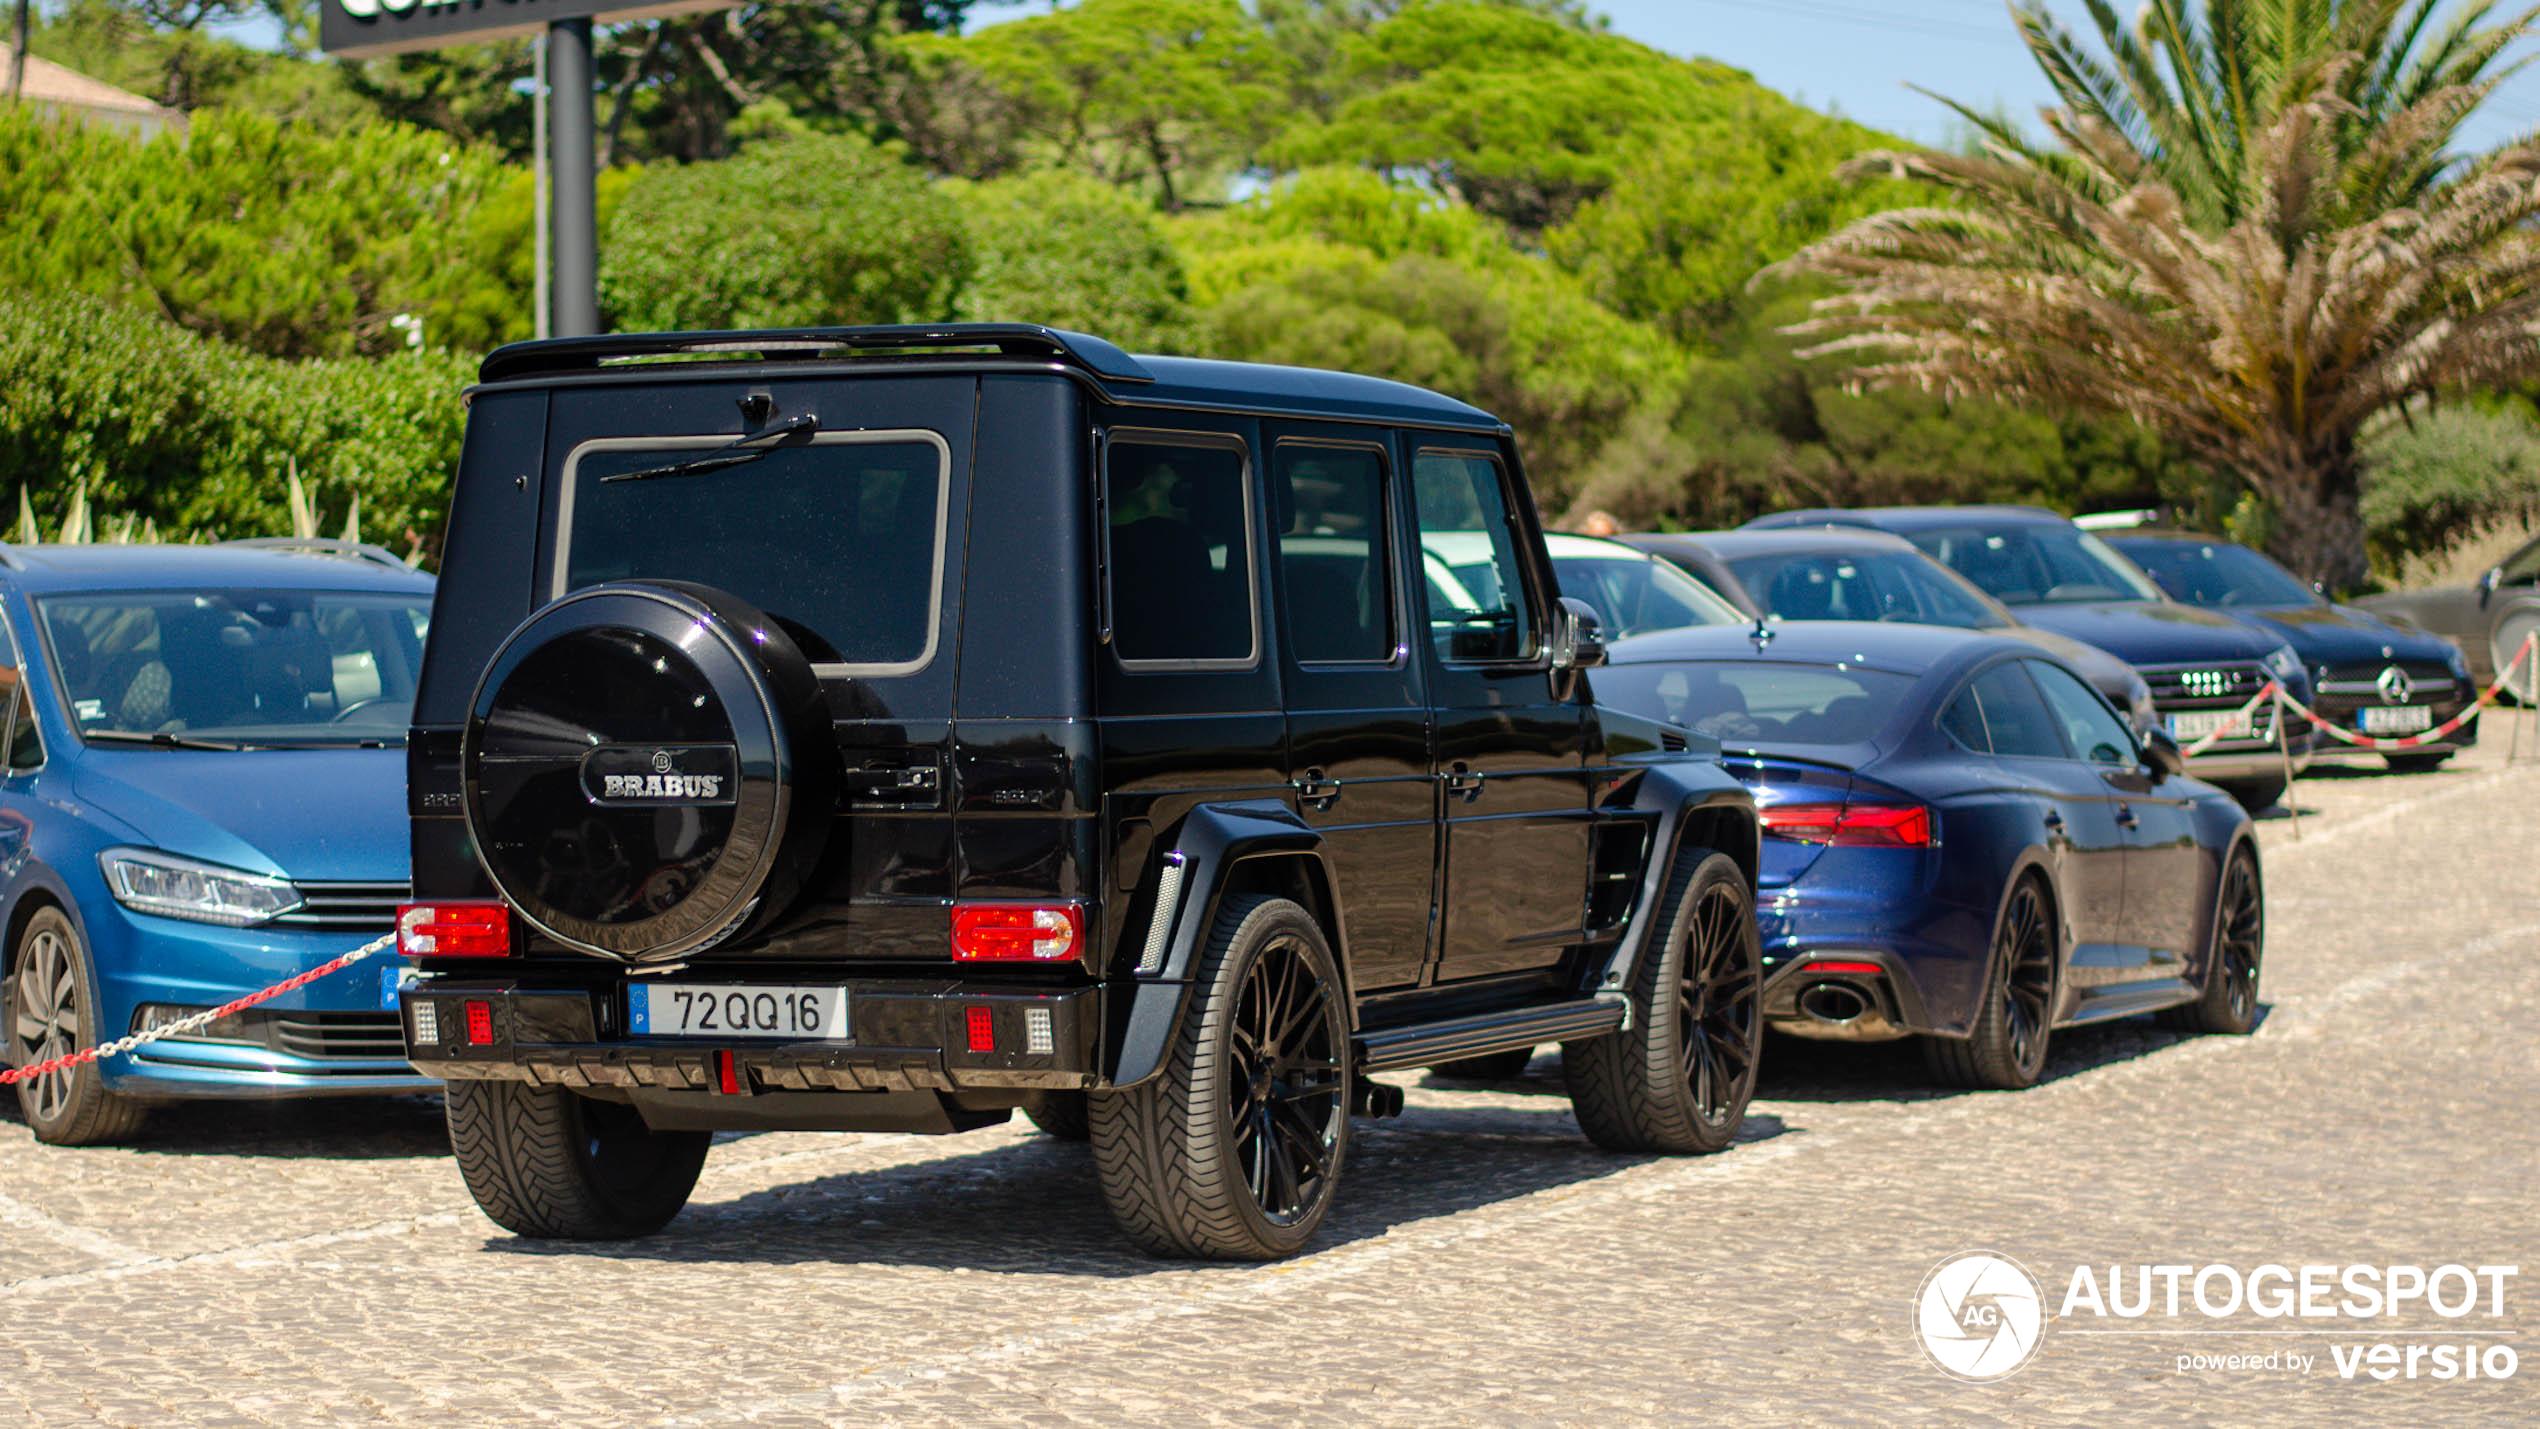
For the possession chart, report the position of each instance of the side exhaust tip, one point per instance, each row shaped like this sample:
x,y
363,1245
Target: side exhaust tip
x,y
1835,1003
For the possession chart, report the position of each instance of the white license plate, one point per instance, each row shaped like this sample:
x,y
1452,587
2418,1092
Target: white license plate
x,y
2397,719
2196,724
697,1010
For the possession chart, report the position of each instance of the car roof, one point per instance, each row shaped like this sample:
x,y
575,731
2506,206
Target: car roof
x,y
1139,380
1728,545
1911,518
2164,533
1879,645
55,568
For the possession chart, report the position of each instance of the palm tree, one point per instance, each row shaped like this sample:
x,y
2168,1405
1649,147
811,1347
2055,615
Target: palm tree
x,y
2251,231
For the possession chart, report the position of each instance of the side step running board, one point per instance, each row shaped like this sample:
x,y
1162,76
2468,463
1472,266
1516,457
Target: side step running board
x,y
1428,1043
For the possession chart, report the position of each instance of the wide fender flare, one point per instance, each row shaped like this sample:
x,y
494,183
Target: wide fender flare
x,y
1211,842
1697,805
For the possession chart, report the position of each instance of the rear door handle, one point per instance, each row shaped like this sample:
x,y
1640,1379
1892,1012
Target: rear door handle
x,y
1317,791
1464,783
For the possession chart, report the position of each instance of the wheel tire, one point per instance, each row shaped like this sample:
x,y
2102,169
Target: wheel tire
x,y
1678,1077
1234,1151
2229,1005
1062,1114
2504,644
52,1011
2414,763
1489,1067
2007,1049
2254,795
550,1164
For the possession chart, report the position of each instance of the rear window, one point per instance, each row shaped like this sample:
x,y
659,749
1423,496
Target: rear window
x,y
1743,702
841,537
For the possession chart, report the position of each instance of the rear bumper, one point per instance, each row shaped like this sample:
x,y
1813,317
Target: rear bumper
x,y
905,1037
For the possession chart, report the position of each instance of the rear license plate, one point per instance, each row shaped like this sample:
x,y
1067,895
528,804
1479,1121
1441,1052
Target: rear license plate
x,y
2196,724
671,1010
2397,719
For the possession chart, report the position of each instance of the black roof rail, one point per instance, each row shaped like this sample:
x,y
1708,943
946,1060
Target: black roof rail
x,y
583,354
323,546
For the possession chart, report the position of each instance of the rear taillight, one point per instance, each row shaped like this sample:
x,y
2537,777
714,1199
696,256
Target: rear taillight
x,y
1850,825
454,930
1018,932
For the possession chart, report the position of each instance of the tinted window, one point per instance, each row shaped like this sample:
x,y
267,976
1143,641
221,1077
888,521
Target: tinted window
x,y
2031,563
1330,506
1759,702
2217,573
1476,589
1181,552
1893,586
842,539
2090,727
2523,566
2016,720
1963,721
285,666
1632,594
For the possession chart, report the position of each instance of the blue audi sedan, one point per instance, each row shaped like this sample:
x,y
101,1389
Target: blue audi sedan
x,y
1963,842
204,795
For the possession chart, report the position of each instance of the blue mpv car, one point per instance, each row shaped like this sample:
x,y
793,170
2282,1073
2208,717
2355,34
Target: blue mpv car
x,y
203,795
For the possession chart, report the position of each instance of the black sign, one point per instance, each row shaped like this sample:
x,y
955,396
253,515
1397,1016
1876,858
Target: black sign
x,y
357,29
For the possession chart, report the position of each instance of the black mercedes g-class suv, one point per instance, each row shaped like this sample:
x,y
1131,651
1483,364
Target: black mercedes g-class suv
x,y
891,728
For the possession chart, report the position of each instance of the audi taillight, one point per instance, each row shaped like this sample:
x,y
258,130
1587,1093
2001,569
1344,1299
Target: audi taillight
x,y
454,930
1018,932
1850,825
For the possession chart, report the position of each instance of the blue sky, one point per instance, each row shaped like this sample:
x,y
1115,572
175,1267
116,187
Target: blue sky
x,y
1858,56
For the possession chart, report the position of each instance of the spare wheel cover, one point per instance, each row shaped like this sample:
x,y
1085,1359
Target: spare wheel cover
x,y
648,767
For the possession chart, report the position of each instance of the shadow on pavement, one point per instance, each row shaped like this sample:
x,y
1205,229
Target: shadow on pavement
x,y
339,1128
1034,1208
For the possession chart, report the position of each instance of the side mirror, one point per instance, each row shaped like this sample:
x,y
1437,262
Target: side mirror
x,y
1578,638
2161,754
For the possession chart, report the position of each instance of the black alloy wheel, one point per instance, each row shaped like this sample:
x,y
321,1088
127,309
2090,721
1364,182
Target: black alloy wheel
x,y
1679,1076
1234,1152
2007,1048
2229,1004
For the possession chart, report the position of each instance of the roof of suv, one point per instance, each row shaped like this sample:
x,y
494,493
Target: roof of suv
x,y
1907,518
1138,380
174,567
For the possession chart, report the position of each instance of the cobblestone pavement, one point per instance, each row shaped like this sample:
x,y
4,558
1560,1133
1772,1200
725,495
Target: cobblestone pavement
x,y
322,1264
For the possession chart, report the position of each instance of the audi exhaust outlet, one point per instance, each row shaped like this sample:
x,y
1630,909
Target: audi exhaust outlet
x,y
1838,1003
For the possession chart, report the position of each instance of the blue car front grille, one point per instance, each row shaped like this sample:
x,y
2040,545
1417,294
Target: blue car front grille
x,y
347,907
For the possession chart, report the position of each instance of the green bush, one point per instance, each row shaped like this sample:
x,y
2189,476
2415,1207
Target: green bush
x,y
199,436
2442,473
806,231
1057,248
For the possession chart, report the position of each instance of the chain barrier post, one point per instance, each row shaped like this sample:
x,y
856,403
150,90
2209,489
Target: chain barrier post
x,y
2284,751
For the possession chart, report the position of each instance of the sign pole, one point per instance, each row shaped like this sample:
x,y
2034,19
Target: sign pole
x,y
573,204
542,311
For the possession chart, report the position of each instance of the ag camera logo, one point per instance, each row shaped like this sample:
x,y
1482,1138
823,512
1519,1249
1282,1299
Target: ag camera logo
x,y
1980,1316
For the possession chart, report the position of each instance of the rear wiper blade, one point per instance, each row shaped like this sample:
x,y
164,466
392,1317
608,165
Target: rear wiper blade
x,y
160,739
746,449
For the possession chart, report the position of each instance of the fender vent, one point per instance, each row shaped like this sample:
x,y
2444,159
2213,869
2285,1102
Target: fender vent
x,y
1168,898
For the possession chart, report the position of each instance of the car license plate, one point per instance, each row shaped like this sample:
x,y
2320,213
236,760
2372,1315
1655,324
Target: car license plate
x,y
676,1010
2196,724
2397,719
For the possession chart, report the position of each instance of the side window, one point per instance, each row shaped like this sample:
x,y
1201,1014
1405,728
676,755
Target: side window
x,y
1963,721
2093,729
2522,567
1334,536
26,747
1478,610
1181,552
2016,720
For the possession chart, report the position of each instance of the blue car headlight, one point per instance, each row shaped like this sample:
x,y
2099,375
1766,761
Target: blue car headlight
x,y
148,881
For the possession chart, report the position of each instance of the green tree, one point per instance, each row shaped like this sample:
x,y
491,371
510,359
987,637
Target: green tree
x,y
2251,231
1062,249
293,242
806,231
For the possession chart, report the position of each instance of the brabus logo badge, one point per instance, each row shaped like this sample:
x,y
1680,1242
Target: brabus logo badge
x,y
624,775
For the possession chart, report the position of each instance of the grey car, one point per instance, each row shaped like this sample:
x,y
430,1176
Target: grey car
x,y
2488,618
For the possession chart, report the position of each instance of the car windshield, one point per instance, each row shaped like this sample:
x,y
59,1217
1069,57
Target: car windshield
x,y
1749,702
2217,573
1633,595
2034,563
238,667
1890,585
